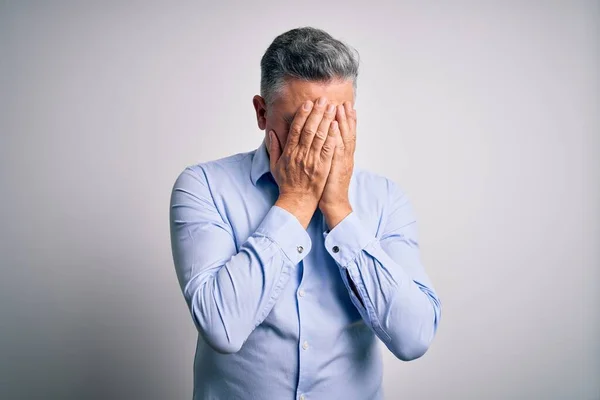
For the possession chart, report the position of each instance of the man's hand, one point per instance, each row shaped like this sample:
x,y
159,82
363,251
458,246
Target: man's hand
x,y
334,203
302,167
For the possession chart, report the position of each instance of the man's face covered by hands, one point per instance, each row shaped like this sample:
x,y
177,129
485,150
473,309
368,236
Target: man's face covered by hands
x,y
279,115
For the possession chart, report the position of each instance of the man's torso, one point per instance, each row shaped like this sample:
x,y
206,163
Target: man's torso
x,y
313,342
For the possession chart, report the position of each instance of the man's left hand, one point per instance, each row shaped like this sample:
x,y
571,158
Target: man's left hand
x,y
334,203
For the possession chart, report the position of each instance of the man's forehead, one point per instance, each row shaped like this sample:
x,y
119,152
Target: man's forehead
x,y
295,92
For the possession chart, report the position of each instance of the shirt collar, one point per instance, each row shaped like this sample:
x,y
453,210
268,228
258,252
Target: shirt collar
x,y
260,163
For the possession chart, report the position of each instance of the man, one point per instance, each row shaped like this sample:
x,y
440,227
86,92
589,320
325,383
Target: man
x,y
292,260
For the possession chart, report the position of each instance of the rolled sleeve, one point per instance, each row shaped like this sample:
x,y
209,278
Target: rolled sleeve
x,y
284,229
347,239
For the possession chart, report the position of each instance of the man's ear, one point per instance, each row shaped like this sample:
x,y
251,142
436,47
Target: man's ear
x,y
261,110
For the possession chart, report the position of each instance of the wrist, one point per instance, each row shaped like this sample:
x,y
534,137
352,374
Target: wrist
x,y
334,206
334,214
301,207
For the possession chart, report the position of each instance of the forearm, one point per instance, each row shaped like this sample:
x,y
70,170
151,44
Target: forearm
x,y
230,297
227,305
402,312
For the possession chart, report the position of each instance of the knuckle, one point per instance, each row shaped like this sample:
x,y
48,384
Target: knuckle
x,y
309,130
328,148
300,160
286,156
295,130
321,135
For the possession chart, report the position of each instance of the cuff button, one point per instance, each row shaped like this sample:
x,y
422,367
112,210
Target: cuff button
x,y
300,249
335,249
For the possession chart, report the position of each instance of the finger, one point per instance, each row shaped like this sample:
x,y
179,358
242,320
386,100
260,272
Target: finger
x,y
351,117
297,125
331,143
274,149
312,124
343,121
323,130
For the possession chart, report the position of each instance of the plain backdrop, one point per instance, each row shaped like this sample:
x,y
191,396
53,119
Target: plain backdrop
x,y
486,113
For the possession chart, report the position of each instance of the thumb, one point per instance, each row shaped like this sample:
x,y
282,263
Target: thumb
x,y
274,149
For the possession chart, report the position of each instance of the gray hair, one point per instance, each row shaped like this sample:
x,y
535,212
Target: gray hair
x,y
308,54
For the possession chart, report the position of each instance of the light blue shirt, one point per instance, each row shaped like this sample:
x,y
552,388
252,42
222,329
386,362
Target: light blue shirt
x,y
288,313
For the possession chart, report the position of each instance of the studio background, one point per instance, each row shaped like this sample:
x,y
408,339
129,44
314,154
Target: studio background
x,y
485,113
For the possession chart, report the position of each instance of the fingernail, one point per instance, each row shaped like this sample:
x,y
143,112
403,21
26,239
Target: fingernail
x,y
330,108
308,105
321,101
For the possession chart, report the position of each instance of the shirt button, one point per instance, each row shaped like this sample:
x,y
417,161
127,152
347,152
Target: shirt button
x,y
302,397
335,249
301,293
305,345
300,249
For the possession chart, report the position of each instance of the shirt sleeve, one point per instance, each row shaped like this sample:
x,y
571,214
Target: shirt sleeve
x,y
386,279
228,291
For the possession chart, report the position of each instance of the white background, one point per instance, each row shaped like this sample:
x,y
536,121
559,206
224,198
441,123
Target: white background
x,y
486,113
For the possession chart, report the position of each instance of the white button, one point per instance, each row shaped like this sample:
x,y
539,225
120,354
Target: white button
x,y
302,397
305,345
301,293
300,249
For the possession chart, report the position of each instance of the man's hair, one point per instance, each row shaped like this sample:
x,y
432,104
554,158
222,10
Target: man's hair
x,y
308,54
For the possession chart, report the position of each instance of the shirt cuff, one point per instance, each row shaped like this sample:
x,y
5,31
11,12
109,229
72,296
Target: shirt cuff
x,y
347,239
284,229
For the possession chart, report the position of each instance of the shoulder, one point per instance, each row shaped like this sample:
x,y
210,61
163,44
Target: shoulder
x,y
376,183
200,176
220,167
224,165
379,198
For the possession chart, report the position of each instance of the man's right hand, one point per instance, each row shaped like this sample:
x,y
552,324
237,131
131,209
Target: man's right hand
x,y
301,168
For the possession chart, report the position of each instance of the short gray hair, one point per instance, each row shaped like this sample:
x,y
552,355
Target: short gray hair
x,y
308,54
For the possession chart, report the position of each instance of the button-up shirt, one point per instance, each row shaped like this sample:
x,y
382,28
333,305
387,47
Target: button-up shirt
x,y
285,312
